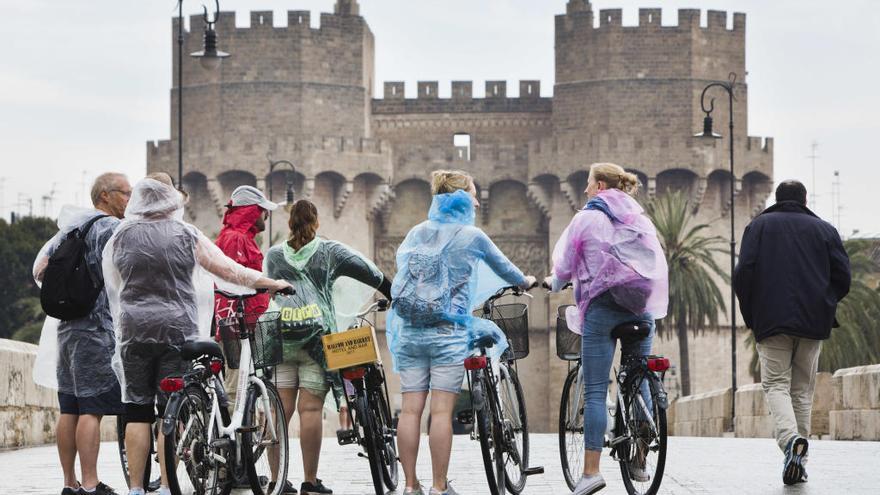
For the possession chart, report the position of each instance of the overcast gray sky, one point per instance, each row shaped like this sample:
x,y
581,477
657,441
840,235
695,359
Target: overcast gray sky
x,y
84,84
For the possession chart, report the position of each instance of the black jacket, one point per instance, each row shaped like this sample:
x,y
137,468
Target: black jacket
x,y
792,272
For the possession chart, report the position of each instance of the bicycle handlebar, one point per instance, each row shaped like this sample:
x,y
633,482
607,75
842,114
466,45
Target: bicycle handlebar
x,y
380,305
287,291
512,289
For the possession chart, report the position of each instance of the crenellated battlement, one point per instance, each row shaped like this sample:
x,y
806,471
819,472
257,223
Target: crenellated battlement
x,y
581,16
264,21
462,98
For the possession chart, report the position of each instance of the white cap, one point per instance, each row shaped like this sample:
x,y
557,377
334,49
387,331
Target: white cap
x,y
250,195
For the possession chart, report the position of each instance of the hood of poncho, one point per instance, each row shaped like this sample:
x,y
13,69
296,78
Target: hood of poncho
x,y
299,258
456,207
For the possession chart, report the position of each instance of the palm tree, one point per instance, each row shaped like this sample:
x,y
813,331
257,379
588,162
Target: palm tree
x,y
695,301
857,341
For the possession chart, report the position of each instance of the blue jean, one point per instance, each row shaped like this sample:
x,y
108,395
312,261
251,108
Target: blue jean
x,y
597,354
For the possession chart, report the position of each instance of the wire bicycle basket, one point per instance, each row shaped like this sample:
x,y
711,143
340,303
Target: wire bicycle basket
x,y
513,320
263,331
568,343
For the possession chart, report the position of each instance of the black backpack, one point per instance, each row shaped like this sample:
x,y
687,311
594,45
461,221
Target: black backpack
x,y
69,288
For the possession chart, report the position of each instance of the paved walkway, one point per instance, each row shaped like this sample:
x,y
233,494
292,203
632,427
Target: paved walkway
x,y
695,466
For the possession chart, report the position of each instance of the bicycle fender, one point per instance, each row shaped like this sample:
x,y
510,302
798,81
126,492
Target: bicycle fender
x,y
659,394
171,410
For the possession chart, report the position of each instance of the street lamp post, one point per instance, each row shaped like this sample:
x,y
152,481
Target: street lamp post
x,y
708,133
288,176
210,59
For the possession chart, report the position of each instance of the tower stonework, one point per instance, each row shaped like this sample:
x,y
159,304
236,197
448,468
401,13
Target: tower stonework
x,y
623,94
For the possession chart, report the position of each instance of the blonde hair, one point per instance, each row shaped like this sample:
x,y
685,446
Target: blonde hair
x,y
615,177
449,181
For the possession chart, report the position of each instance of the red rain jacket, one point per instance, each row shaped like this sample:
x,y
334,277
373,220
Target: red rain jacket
x,y
236,240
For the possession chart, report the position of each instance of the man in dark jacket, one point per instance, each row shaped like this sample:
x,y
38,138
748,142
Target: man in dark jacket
x,y
792,272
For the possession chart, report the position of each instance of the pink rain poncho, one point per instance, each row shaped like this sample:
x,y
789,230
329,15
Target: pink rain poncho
x,y
612,246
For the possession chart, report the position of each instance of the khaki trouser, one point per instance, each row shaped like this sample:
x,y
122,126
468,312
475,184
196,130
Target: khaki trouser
x,y
788,376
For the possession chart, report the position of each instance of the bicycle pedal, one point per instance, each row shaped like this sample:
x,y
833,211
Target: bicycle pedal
x,y
362,455
533,470
222,443
466,417
346,437
615,441
247,429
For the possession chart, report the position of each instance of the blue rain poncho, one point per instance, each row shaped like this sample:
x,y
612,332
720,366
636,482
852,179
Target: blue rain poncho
x,y
446,268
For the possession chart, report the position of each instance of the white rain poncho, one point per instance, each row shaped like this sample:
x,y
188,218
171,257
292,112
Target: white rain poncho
x,y
74,356
158,273
447,268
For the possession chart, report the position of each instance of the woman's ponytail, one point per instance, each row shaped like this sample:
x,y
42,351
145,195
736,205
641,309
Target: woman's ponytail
x,y
303,223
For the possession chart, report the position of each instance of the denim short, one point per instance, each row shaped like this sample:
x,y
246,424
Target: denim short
x,y
446,378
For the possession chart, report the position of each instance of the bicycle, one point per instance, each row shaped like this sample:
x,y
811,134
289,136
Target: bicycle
x,y
635,433
497,401
370,415
152,465
210,453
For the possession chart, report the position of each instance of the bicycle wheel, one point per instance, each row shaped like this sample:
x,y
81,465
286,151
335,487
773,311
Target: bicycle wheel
x,y
368,422
645,448
190,467
516,429
571,428
152,464
386,439
491,443
265,453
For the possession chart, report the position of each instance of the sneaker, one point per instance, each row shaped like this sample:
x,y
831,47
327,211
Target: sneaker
x,y
449,490
589,485
414,491
70,491
101,489
793,469
136,491
638,473
288,487
314,489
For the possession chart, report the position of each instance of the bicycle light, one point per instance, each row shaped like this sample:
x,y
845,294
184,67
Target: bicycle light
x,y
216,366
354,373
171,384
475,363
658,364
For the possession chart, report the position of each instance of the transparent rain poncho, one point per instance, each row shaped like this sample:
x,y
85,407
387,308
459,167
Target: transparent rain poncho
x,y
446,268
611,245
160,273
332,281
74,356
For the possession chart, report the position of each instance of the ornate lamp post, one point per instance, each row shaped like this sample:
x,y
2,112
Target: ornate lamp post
x,y
210,59
708,133
289,179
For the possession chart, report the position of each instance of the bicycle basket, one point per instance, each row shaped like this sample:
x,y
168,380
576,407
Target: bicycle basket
x,y
227,329
266,341
513,320
568,343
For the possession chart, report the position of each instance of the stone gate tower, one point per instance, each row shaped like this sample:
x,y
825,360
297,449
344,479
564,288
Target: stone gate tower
x,y
625,94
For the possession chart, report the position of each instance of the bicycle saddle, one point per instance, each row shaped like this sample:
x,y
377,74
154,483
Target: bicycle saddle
x,y
631,331
485,342
193,350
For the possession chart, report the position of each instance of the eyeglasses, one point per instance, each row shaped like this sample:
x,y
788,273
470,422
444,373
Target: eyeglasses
x,y
126,193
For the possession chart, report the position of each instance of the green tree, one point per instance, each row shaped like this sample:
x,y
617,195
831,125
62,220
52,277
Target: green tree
x,y
695,300
20,244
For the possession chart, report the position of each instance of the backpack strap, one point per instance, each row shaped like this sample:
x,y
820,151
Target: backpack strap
x,y
84,229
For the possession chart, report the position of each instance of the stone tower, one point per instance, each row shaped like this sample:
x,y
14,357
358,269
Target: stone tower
x,y
624,94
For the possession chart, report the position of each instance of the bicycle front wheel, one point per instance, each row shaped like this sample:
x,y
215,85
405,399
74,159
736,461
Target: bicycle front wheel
x,y
368,422
191,468
642,456
515,429
571,428
489,431
264,444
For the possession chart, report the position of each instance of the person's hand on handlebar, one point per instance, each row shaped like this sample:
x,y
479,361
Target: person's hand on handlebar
x,y
275,286
530,283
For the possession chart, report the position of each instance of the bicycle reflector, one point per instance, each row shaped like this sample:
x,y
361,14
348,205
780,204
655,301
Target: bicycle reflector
x,y
475,363
354,373
658,364
216,366
171,384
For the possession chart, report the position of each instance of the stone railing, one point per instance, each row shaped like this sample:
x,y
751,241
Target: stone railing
x,y
846,406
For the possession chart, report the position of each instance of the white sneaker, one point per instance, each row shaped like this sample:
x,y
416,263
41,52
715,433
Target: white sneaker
x,y
589,485
449,490
414,491
638,473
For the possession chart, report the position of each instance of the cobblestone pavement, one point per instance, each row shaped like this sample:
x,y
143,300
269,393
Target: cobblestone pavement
x,y
695,466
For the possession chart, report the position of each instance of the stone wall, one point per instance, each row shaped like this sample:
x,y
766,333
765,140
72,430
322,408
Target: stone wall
x,y
846,406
